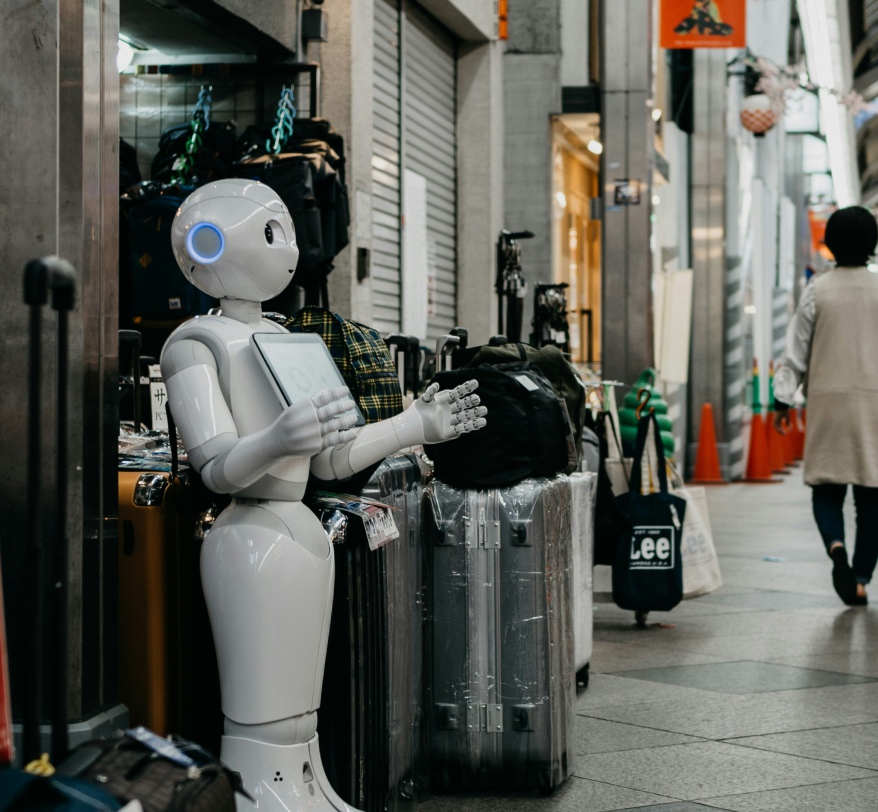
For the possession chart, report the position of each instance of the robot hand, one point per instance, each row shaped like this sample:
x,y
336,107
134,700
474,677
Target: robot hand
x,y
447,414
307,427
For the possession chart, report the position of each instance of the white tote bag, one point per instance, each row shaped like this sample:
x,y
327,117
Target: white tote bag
x,y
618,467
701,573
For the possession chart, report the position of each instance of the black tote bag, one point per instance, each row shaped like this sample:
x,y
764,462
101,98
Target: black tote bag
x,y
648,570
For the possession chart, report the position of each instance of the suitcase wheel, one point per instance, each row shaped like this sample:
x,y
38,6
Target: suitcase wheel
x,y
582,676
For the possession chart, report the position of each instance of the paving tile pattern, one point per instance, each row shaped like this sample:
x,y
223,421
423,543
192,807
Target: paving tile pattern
x,y
762,697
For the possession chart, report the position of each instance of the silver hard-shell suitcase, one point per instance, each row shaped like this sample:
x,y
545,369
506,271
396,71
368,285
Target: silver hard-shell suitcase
x,y
500,671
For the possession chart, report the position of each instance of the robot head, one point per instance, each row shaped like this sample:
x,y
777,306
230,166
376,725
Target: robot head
x,y
235,239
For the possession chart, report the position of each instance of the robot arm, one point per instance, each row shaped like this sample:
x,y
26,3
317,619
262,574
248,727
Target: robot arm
x,y
229,463
435,417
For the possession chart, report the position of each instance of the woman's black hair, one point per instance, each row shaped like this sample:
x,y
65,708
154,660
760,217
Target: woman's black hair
x,y
851,235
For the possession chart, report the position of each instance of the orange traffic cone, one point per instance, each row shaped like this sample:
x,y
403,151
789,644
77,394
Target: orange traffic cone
x,y
707,470
758,464
775,448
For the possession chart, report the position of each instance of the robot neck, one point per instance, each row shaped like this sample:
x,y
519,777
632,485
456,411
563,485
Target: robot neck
x,y
242,310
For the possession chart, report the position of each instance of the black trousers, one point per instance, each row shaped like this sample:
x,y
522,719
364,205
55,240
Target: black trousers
x,y
828,501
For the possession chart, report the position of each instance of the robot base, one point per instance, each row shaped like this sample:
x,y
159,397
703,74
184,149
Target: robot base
x,y
282,777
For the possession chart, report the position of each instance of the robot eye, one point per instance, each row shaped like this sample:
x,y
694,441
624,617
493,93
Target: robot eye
x,y
205,243
269,233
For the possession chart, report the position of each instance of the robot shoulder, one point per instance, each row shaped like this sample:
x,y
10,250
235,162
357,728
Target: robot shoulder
x,y
198,341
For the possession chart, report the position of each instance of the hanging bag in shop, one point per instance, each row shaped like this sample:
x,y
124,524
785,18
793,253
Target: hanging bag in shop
x,y
648,570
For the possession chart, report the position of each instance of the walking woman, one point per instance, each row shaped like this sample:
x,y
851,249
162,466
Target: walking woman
x,y
832,346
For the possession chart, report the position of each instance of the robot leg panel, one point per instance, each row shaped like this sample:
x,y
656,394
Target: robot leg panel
x,y
268,585
282,778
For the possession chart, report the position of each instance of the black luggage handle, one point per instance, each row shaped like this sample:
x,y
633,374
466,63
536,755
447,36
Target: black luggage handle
x,y
136,340
42,277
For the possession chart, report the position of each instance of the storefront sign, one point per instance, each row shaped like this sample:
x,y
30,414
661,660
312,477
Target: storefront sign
x,y
703,23
627,192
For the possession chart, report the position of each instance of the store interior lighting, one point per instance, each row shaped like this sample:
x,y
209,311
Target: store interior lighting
x,y
656,113
124,55
595,147
827,67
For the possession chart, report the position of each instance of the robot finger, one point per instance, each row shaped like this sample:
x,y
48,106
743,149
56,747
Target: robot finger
x,y
466,388
344,421
326,396
336,407
430,395
338,438
470,425
469,402
468,415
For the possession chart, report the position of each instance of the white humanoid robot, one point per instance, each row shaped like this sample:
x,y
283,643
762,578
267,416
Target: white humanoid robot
x,y
267,564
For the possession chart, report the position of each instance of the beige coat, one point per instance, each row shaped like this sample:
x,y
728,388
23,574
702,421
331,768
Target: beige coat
x,y
841,443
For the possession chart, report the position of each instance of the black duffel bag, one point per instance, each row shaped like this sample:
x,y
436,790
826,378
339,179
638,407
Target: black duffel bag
x,y
527,433
165,775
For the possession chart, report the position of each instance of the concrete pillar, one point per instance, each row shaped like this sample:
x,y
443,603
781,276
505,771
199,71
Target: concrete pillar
x,y
708,195
532,95
629,144
59,195
480,175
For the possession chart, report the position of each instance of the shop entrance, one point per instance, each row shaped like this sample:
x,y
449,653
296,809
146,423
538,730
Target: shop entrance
x,y
576,147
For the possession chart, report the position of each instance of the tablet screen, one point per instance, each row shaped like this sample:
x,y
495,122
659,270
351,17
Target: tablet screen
x,y
300,365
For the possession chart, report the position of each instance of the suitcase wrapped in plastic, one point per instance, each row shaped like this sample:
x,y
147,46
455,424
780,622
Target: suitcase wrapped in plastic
x,y
500,671
583,488
369,721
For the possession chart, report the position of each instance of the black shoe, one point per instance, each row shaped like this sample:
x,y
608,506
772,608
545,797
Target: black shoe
x,y
843,578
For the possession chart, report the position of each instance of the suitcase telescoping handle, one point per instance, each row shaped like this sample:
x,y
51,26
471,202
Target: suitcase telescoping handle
x,y
444,347
42,277
134,338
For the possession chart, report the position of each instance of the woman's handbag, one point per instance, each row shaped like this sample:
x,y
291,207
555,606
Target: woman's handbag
x,y
648,570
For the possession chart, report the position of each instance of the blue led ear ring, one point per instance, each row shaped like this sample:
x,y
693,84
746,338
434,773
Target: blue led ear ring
x,y
205,243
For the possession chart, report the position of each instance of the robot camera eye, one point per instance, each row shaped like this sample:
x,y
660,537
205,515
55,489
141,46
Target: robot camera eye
x,y
269,233
205,243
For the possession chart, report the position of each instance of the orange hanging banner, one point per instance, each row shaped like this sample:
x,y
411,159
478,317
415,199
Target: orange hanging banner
x,y
703,23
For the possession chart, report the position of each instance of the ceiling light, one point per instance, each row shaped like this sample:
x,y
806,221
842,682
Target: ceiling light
x,y
656,113
561,199
656,200
595,146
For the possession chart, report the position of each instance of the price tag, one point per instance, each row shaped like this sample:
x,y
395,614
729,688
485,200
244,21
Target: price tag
x,y
377,517
380,527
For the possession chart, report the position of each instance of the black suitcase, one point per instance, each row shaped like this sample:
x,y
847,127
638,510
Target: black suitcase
x,y
371,736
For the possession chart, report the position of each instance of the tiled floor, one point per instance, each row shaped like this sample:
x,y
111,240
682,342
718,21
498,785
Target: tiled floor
x,y
762,697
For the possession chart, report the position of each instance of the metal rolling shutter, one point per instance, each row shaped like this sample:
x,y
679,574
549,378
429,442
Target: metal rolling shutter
x,y
429,70
386,253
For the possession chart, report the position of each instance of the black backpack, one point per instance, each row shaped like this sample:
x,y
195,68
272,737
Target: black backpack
x,y
526,434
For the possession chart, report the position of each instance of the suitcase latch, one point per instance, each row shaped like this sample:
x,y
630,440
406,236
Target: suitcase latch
x,y
488,533
484,718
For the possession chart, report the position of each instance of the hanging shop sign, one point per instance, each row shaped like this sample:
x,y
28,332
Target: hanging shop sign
x,y
627,192
703,23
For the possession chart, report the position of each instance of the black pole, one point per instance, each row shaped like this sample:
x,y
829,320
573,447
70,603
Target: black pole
x,y
35,284
62,284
